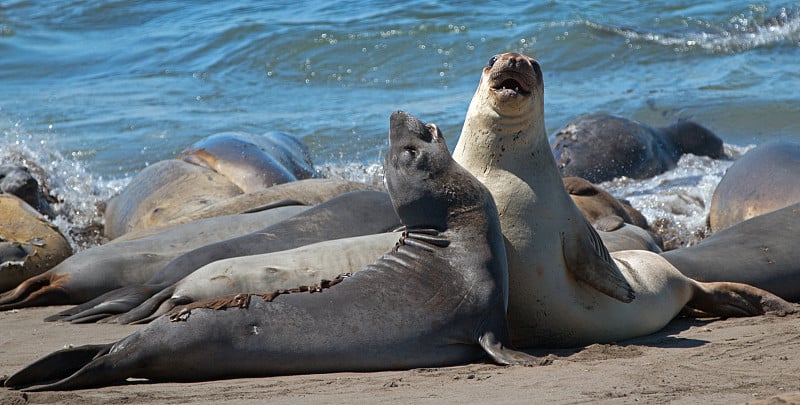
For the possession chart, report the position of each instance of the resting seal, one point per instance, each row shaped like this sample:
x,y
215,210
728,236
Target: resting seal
x,y
601,147
437,299
103,268
565,288
17,180
352,214
252,162
761,251
29,244
596,203
764,179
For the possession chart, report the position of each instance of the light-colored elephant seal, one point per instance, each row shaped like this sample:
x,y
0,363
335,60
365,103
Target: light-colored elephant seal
x,y
163,191
252,162
103,268
761,251
438,298
565,288
601,147
29,244
302,266
765,179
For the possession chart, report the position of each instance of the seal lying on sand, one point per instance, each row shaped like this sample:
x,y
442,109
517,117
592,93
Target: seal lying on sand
x,y
103,268
761,251
17,180
352,214
565,289
210,171
29,244
438,298
301,268
764,179
601,147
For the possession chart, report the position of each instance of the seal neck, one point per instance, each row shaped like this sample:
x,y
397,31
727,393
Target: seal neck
x,y
511,139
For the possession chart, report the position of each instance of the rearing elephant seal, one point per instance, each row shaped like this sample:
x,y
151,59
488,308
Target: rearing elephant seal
x,y
765,179
438,298
565,289
601,147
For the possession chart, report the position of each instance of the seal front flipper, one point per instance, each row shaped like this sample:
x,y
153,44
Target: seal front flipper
x,y
594,265
55,366
502,353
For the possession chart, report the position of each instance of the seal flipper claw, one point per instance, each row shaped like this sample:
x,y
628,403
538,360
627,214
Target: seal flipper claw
x,y
598,270
55,366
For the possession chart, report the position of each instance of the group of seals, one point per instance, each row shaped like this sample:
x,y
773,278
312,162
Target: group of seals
x,y
445,281
565,288
210,171
601,147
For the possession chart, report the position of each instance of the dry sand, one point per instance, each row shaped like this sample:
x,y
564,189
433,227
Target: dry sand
x,y
691,361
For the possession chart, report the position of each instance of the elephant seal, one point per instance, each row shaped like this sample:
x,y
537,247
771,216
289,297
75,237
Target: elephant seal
x,y
252,162
596,203
29,243
103,268
302,266
17,180
437,299
601,147
761,251
352,214
765,179
163,191
565,289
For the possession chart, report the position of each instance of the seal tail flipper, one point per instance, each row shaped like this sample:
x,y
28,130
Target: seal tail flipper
x,y
44,289
736,299
147,310
113,302
55,366
165,308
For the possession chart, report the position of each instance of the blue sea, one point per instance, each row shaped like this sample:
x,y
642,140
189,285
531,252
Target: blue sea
x,y
92,92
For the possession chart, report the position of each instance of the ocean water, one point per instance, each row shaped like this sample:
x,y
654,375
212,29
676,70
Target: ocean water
x,y
92,92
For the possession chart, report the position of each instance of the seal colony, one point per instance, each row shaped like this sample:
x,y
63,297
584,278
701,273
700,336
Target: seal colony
x,y
446,282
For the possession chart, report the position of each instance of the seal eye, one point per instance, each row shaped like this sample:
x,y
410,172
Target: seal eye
x,y
491,62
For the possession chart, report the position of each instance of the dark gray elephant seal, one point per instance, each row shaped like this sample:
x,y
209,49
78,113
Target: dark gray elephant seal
x,y
17,180
352,214
103,268
765,179
762,251
601,147
437,299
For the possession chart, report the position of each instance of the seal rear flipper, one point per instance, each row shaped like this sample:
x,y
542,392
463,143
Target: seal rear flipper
x,y
736,299
589,261
157,305
44,289
111,303
55,366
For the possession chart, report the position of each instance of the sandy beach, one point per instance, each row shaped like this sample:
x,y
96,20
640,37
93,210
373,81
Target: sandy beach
x,y
691,361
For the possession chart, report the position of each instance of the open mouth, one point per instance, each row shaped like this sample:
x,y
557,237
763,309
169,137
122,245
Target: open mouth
x,y
509,86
